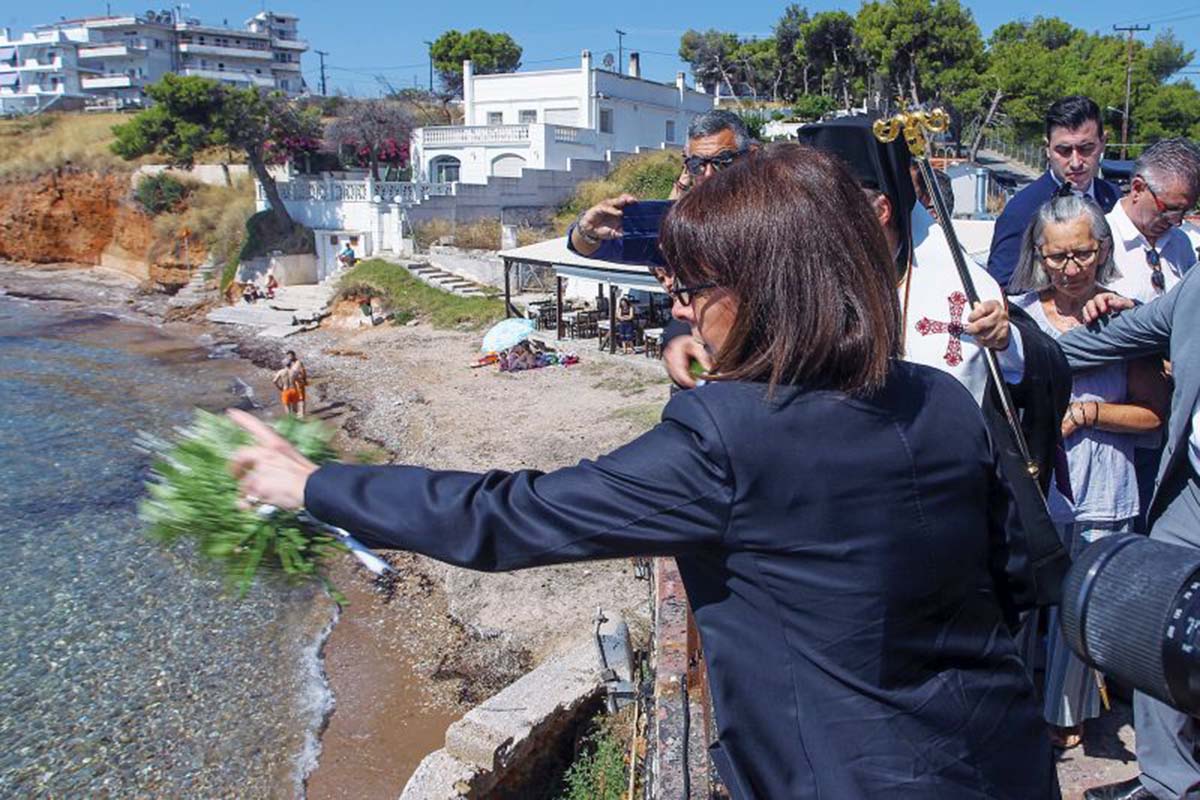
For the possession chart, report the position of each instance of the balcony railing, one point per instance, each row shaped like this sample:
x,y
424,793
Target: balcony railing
x,y
358,191
108,82
448,136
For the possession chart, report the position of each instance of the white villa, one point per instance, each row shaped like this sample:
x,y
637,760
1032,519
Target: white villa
x,y
110,60
544,119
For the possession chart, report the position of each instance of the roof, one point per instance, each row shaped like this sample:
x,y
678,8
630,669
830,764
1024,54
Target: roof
x,y
554,253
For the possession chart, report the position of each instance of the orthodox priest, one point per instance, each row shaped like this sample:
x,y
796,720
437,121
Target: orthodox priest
x,y
942,331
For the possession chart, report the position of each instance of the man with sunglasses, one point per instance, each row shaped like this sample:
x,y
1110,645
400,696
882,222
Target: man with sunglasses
x,y
1074,147
1151,251
715,139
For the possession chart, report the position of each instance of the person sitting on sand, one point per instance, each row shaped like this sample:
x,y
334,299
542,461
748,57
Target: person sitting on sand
x,y
272,285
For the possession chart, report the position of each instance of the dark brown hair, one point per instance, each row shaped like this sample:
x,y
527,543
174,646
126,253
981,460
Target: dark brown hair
x,y
789,232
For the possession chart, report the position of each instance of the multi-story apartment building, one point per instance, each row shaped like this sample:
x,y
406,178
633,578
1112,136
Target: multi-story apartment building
x,y
112,59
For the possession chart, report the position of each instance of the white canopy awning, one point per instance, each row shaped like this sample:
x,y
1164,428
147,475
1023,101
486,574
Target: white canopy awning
x,y
554,253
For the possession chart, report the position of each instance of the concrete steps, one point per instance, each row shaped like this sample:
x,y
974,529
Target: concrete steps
x,y
441,279
292,310
197,290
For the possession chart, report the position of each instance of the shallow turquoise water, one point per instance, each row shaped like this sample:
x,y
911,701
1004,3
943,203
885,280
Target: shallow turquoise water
x,y
125,668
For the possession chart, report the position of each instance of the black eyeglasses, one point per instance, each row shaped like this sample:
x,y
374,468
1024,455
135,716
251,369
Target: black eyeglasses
x,y
719,161
1157,279
685,294
1082,258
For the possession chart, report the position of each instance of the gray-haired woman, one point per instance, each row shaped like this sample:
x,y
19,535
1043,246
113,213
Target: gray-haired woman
x,y
1065,260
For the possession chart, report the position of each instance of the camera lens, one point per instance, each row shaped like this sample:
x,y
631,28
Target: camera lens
x,y
1131,608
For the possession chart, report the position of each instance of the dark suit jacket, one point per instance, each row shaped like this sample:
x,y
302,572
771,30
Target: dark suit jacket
x,y
1006,238
840,555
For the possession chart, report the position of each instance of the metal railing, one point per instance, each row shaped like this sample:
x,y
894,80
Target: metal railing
x,y
1029,154
358,191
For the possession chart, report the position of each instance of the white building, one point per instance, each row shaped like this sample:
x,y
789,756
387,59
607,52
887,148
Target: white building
x,y
112,59
544,119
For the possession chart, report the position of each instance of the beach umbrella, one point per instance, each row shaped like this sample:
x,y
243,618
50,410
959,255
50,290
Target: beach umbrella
x,y
505,334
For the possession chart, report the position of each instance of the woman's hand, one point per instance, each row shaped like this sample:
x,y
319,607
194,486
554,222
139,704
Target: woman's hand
x,y
270,471
678,356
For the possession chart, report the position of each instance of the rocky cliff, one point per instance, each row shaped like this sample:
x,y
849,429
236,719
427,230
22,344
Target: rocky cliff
x,y
85,218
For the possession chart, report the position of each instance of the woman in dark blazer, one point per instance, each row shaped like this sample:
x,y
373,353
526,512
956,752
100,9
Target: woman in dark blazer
x,y
835,513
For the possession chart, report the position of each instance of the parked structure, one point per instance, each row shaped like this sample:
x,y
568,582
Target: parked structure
x,y
544,119
110,60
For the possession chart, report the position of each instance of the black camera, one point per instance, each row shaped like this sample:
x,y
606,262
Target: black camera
x,y
1131,608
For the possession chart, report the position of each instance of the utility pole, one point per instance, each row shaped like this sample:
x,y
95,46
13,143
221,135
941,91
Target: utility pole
x,y
620,50
322,54
1131,29
429,45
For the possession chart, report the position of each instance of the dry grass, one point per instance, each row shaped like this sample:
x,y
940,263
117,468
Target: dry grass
x,y
482,234
30,146
648,176
215,215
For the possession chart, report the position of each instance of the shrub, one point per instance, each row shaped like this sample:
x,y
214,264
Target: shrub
x,y
811,107
599,771
482,234
160,193
215,216
409,298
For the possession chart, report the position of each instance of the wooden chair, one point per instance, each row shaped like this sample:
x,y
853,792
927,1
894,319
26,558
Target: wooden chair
x,y
653,338
547,317
585,325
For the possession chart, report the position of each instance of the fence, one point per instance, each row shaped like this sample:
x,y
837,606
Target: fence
x,y
364,191
1030,154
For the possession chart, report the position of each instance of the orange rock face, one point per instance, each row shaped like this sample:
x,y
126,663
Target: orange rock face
x,y
85,218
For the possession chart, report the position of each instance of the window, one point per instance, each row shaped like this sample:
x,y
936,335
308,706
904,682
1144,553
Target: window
x,y
606,120
495,118
445,169
333,240
283,84
670,130
527,116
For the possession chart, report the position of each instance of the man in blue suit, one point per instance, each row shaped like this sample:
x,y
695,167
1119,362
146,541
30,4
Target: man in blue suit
x,y
1168,741
1074,147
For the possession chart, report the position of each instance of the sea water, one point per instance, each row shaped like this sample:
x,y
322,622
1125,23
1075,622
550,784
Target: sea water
x,y
127,668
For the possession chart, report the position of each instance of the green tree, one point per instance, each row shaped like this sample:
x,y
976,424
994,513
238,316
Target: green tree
x,y
830,45
925,49
488,53
711,57
790,53
759,67
376,130
192,113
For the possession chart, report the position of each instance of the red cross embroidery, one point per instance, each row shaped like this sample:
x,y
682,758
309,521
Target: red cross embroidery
x,y
955,327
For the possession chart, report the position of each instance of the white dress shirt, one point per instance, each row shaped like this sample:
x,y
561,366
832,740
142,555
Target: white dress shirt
x,y
1175,255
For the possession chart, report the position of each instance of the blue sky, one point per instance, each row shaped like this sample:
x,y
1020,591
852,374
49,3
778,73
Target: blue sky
x,y
366,38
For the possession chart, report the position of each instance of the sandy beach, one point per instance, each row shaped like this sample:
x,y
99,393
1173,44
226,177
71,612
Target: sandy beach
x,y
406,659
